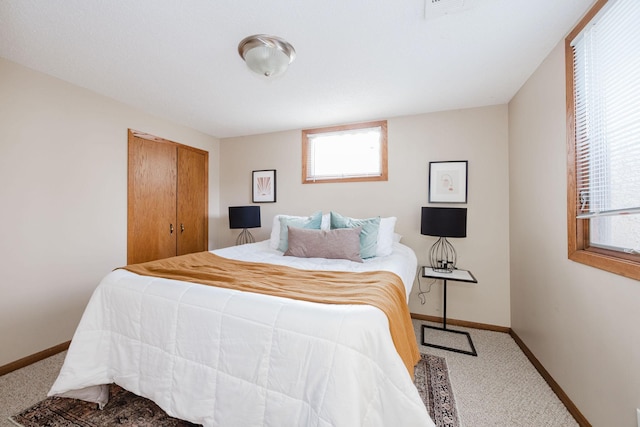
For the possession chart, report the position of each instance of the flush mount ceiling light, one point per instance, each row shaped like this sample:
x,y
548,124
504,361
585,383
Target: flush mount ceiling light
x,y
266,55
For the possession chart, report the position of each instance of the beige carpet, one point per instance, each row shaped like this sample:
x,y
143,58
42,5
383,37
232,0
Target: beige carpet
x,y
27,386
498,388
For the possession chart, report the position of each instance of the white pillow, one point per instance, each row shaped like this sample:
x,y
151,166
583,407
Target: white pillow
x,y
274,240
384,245
326,222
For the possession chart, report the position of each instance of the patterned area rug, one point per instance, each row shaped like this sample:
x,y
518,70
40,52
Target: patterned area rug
x,y
432,380
128,410
124,409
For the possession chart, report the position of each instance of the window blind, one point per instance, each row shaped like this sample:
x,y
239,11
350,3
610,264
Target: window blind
x,y
607,111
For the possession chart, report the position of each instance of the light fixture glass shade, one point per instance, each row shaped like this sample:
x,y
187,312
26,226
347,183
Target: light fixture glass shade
x,y
266,55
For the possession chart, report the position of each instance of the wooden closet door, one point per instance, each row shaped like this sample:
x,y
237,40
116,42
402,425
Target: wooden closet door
x,y
151,226
192,203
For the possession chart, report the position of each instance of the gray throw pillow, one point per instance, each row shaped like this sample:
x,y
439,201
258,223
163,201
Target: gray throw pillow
x,y
341,243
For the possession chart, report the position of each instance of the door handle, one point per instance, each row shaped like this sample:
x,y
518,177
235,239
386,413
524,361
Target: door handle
x,y
181,228
170,228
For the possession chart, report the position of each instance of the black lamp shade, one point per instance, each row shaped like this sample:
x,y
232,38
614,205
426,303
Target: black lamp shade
x,y
444,222
244,216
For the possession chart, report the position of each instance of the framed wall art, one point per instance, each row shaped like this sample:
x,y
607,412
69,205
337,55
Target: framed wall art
x,y
264,186
448,182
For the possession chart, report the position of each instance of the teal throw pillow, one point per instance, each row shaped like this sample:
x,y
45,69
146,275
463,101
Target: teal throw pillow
x,y
312,222
368,235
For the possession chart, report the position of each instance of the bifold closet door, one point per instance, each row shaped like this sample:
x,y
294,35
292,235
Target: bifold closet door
x,y
152,228
192,201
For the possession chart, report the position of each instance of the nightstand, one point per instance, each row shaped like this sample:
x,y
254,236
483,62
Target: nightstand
x,y
456,276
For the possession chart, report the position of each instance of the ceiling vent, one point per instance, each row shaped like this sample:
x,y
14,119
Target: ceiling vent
x,y
436,8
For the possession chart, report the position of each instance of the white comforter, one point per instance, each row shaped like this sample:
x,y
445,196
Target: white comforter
x,y
226,358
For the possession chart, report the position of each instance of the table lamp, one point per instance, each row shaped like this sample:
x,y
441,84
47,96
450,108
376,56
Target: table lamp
x,y
244,217
443,223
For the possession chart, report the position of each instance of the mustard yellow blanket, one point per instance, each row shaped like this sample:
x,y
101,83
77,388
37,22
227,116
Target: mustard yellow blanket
x,y
380,289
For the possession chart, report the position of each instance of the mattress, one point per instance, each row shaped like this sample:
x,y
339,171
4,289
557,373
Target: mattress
x,y
221,357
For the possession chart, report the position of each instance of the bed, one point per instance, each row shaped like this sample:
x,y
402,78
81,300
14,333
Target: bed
x,y
223,357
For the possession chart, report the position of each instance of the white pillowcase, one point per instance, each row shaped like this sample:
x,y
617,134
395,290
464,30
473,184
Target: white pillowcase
x,y
326,222
274,240
385,236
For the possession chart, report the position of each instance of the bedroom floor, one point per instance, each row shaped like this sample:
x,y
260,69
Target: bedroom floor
x,y
500,387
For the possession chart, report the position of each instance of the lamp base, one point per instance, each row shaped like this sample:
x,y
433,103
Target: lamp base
x,y
442,256
245,237
443,269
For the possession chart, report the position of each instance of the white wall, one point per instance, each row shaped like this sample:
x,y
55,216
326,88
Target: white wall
x,y
477,135
63,169
580,322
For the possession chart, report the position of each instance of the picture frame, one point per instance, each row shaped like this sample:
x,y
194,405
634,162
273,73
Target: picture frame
x,y
264,186
448,181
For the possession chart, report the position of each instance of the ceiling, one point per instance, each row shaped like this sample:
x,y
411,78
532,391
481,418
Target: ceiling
x,y
357,60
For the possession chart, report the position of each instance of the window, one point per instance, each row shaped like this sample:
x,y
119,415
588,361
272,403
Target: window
x,y
603,107
345,153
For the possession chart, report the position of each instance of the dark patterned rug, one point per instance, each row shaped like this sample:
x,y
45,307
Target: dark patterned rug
x,y
124,409
431,377
128,410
